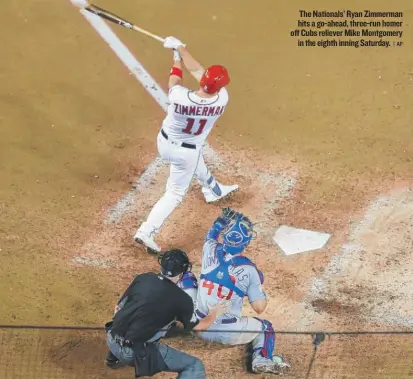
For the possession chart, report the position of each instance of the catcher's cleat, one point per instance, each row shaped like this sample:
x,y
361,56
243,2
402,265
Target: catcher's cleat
x,y
277,365
147,241
218,193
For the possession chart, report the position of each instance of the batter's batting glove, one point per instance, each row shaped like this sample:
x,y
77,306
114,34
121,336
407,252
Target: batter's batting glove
x,y
173,43
177,56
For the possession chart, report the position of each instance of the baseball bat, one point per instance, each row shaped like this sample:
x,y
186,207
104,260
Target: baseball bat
x,y
119,20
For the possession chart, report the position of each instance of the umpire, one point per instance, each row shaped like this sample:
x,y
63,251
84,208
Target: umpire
x,y
148,308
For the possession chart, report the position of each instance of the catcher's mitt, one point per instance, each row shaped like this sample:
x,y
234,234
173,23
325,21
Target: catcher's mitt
x,y
229,213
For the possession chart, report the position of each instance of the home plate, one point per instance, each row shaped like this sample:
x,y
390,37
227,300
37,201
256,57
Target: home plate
x,y
293,241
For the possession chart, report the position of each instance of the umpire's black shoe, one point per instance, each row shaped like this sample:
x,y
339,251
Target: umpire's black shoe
x,y
113,362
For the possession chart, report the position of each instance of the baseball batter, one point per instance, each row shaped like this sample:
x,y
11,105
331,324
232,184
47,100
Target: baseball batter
x,y
228,276
190,118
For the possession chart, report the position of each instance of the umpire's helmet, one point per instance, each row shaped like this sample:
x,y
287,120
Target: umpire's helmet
x,y
174,262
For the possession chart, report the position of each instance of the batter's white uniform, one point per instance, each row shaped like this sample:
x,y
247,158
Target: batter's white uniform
x,y
188,122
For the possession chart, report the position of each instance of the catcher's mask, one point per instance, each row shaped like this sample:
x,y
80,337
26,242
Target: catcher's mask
x,y
174,262
238,235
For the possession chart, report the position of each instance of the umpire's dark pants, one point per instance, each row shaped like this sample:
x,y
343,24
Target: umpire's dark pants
x,y
186,365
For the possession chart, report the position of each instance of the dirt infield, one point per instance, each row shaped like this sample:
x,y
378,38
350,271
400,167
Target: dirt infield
x,y
317,138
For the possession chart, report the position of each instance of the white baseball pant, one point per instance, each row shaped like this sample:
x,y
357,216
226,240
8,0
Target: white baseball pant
x,y
236,331
185,164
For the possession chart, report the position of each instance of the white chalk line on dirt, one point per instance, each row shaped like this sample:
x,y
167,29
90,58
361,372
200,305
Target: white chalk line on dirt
x,y
352,254
123,206
139,72
123,53
154,89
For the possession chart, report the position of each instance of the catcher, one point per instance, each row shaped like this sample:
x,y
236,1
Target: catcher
x,y
228,276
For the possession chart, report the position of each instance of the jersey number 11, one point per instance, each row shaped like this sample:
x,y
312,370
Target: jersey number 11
x,y
190,125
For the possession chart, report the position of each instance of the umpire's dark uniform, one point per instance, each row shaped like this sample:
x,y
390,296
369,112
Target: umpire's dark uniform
x,y
151,303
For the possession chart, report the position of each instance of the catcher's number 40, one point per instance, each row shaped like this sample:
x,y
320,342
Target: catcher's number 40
x,y
211,287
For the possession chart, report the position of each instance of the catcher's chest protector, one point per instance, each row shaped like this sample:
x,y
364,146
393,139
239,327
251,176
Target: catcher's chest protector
x,y
221,275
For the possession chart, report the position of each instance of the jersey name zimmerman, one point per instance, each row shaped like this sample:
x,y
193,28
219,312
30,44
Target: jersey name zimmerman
x,y
198,111
190,118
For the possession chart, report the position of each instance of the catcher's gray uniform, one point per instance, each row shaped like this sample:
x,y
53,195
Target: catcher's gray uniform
x,y
225,277
246,277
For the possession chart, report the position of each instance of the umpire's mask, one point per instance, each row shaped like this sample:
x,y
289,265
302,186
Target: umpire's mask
x,y
174,262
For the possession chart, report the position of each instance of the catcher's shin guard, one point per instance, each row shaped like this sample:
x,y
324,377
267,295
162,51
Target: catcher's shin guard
x,y
269,340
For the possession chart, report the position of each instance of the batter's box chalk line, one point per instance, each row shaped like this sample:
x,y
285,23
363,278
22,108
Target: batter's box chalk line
x,y
85,261
358,264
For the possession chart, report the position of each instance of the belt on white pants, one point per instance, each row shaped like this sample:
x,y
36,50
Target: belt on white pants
x,y
183,144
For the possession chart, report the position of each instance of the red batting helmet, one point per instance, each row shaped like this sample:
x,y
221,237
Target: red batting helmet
x,y
214,78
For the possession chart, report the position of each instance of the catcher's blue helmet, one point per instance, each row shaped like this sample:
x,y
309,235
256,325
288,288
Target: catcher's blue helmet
x,y
237,235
